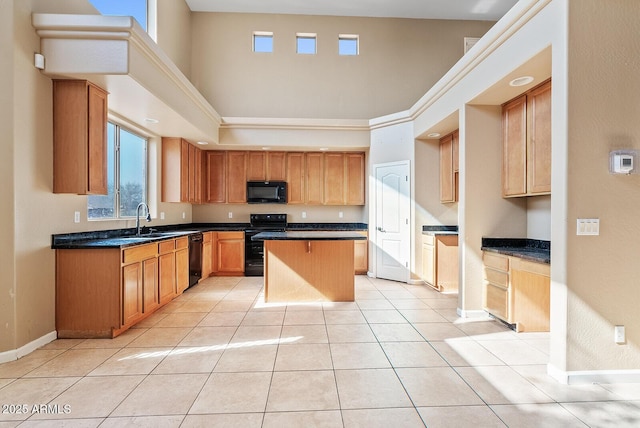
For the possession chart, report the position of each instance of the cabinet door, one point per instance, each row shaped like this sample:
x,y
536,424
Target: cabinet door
x,y
236,177
314,167
131,293
230,252
447,183
216,176
150,285
167,276
334,180
186,159
79,138
514,151
355,177
182,270
429,264
97,141
207,252
361,257
276,166
295,178
447,263
256,166
539,140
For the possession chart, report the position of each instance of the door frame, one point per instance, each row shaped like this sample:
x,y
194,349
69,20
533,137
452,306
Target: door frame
x,y
373,217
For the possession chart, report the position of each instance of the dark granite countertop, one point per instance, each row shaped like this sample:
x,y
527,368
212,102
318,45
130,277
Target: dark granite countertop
x,y
310,235
326,226
122,238
529,249
439,230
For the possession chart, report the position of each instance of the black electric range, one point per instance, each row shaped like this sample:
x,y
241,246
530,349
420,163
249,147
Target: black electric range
x,y
254,250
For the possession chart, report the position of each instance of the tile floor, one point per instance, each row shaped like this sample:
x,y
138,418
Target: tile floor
x,y
219,356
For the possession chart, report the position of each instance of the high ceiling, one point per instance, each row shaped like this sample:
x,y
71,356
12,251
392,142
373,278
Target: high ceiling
x,y
485,10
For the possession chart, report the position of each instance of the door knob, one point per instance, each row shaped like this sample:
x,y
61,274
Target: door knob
x,y
380,229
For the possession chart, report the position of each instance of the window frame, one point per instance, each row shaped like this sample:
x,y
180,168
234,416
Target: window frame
x,y
349,37
307,36
116,153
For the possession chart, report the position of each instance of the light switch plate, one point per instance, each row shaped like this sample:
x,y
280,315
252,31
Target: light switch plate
x,y
76,217
588,226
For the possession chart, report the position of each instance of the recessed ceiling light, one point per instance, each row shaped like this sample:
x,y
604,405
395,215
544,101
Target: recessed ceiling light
x,y
521,81
266,148
324,149
433,135
203,143
150,120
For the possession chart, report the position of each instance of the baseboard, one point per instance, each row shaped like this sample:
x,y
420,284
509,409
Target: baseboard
x,y
416,282
593,376
14,354
472,314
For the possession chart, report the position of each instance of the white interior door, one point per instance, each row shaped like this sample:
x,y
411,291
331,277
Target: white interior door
x,y
393,205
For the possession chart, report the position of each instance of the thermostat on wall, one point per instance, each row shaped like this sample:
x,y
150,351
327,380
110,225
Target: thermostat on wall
x,y
622,162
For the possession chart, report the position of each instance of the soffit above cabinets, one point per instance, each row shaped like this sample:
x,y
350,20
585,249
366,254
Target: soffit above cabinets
x,y
117,54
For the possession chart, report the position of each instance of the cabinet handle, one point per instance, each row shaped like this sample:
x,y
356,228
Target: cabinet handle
x,y
308,246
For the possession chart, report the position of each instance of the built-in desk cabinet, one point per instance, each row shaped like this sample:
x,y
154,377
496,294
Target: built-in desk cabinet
x,y
526,135
102,292
517,291
361,255
440,262
79,138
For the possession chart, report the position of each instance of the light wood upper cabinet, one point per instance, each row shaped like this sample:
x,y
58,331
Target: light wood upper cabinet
x,y
182,173
355,178
449,168
334,179
526,128
295,178
79,138
256,166
314,178
236,177
276,166
216,188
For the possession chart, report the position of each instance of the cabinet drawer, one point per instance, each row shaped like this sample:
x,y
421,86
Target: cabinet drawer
x,y
496,277
138,253
231,235
496,301
532,267
182,243
428,239
496,261
166,246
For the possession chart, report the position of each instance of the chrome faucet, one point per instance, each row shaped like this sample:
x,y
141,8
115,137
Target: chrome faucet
x,y
138,228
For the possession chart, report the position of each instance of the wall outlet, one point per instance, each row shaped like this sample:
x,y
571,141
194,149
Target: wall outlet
x,y
230,214
619,334
161,215
340,214
184,215
588,226
304,214
76,217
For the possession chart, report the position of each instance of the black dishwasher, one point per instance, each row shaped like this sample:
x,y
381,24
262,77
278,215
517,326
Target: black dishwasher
x,y
195,258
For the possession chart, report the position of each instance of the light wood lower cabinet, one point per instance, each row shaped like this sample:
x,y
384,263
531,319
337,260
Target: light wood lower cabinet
x,y
517,291
440,262
102,292
361,255
229,253
207,254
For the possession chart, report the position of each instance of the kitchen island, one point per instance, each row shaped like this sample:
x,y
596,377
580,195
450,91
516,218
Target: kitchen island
x,y
309,266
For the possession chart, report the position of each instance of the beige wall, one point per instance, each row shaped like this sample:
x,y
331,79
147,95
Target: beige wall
x,y
399,60
219,213
173,32
7,189
602,271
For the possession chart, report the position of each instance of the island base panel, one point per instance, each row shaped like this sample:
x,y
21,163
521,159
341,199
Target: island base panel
x,y
309,271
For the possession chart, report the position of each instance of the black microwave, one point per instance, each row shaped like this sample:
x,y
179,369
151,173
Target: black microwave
x,y
267,192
